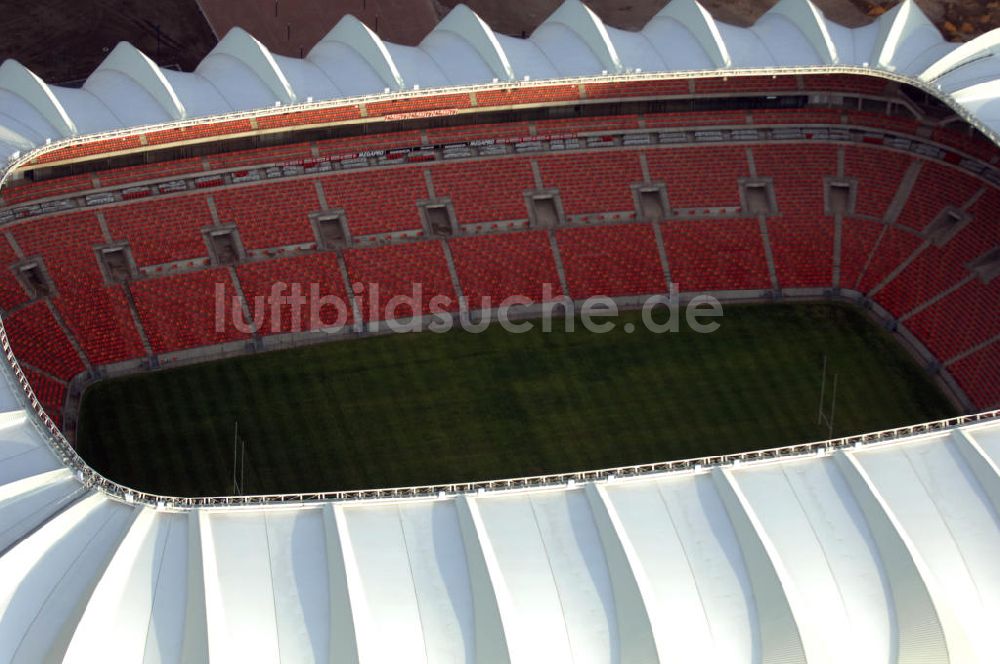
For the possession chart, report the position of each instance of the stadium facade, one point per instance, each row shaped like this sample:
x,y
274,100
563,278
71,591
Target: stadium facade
x,y
877,548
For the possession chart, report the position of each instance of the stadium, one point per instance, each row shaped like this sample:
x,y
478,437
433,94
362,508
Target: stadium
x,y
201,463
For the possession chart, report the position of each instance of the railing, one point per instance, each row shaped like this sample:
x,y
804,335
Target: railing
x,y
92,479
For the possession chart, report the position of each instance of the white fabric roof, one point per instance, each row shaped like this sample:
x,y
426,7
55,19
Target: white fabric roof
x,y
129,90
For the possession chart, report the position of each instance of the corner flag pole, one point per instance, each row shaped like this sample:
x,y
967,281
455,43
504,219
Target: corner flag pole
x,y
823,418
236,438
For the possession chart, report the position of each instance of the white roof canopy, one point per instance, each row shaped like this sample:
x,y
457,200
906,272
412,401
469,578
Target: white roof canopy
x,y
241,74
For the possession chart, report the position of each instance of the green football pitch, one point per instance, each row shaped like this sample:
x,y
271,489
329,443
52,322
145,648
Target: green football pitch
x,y
427,408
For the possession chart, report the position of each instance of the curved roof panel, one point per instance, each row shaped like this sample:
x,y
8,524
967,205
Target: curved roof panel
x,y
306,79
197,94
110,85
347,69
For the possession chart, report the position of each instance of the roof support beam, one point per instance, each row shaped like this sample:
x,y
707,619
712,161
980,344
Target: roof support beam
x,y
642,635
981,465
779,609
352,636
195,645
926,629
32,482
496,636
19,80
95,637
130,61
811,22
578,18
702,26
240,45
468,26
894,27
983,45
20,561
355,34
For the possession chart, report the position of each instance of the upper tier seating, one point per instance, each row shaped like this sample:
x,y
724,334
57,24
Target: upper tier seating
x,y
487,190
377,201
162,230
691,183
270,215
592,182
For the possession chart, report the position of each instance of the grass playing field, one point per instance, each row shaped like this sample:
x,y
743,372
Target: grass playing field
x,y
428,408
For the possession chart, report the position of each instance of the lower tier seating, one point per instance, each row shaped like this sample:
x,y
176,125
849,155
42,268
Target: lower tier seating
x,y
162,230
37,340
878,175
959,321
802,234
50,393
802,251
979,376
894,247
394,271
182,311
313,274
501,266
938,268
857,239
693,184
716,255
611,260
11,292
937,186
97,313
